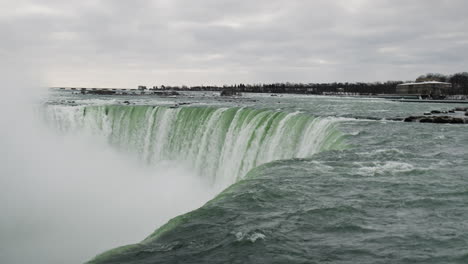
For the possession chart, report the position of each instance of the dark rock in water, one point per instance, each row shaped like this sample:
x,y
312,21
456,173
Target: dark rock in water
x,y
458,121
126,102
466,113
370,118
436,112
442,119
461,109
411,119
396,119
452,111
427,113
426,120
437,119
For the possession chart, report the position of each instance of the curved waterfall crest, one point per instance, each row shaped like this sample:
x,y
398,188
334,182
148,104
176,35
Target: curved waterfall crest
x,y
221,144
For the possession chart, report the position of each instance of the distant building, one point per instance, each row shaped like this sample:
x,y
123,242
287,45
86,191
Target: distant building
x,y
142,87
425,89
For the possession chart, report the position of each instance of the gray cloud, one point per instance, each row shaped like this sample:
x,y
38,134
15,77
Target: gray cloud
x,y
124,43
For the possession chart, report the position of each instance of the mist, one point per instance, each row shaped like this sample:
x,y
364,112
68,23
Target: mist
x,y
67,198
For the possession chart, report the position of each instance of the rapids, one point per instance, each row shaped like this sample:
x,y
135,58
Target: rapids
x,y
256,179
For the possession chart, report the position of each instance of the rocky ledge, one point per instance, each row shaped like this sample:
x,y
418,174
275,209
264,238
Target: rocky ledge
x,y
457,115
437,119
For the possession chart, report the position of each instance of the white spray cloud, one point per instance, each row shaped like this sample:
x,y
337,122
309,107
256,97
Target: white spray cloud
x,y
64,199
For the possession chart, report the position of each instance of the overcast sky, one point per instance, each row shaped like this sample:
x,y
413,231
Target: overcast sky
x,y
124,43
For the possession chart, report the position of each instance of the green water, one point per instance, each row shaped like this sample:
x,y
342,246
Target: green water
x,y
303,179
220,143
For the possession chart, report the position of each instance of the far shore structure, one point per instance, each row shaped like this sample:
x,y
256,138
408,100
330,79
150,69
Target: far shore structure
x,y
430,89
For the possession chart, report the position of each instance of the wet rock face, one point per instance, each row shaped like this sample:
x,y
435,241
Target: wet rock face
x,y
448,120
437,119
461,109
412,118
451,116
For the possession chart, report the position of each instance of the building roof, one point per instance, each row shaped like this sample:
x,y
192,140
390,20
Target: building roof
x,y
420,83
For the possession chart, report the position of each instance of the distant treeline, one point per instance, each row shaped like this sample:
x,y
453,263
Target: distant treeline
x,y
299,88
458,80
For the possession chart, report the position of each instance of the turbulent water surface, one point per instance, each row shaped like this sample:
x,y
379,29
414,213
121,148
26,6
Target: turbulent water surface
x,y
295,179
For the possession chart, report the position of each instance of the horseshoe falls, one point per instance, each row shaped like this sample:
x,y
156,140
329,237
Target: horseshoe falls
x,y
200,178
220,144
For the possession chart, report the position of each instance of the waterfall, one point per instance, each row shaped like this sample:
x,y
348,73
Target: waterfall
x,y
220,144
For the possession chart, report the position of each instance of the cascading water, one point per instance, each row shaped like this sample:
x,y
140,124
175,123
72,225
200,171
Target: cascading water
x,y
221,144
128,170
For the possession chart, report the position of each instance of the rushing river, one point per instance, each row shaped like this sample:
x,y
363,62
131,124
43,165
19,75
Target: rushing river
x,y
257,179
